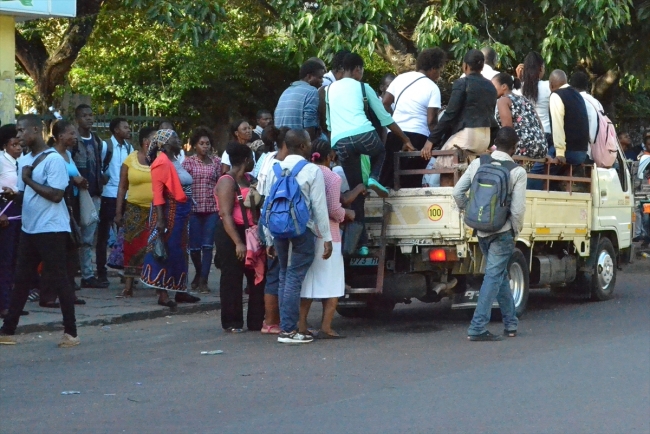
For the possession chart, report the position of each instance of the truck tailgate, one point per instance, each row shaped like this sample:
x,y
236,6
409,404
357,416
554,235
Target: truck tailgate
x,y
556,215
417,214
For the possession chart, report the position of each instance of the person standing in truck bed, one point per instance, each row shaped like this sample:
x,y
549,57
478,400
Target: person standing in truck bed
x,y
498,246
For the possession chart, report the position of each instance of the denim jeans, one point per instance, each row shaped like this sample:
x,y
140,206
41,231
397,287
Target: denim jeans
x,y
295,256
88,240
202,228
349,150
497,250
572,157
272,276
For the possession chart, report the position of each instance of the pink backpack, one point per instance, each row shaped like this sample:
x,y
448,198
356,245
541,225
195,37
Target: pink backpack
x,y
605,147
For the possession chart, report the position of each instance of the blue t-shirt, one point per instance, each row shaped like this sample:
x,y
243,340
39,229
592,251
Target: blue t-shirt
x,y
72,171
41,215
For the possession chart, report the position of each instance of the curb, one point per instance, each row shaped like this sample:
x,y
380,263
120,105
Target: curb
x,y
121,319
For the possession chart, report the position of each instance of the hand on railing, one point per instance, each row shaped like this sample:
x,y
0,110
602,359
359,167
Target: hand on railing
x,y
426,151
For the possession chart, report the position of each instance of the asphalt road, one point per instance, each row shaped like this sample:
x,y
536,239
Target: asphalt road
x,y
576,367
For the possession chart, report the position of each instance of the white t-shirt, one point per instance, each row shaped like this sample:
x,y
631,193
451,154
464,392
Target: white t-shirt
x,y
344,181
593,106
39,214
410,109
120,152
542,105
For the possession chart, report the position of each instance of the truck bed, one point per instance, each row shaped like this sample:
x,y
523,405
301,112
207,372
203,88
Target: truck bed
x,y
425,216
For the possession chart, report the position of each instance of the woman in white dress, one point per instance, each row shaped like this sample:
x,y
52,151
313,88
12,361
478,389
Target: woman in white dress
x,y
325,279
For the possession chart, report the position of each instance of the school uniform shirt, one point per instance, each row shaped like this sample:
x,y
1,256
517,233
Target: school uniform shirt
x,y
414,94
8,171
593,107
312,185
39,214
120,152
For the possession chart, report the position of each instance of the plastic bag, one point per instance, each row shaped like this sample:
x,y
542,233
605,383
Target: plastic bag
x,y
159,249
365,168
88,212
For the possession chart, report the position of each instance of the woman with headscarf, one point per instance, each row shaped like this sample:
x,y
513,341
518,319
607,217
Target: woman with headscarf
x,y
134,196
172,203
240,132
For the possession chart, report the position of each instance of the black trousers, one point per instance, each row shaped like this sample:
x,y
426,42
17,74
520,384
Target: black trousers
x,y
231,285
106,218
394,144
51,249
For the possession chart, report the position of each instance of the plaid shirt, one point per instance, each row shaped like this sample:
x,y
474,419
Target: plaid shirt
x,y
204,178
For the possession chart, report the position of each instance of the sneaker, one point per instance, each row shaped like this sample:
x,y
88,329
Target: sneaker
x,y
377,187
93,282
68,341
510,333
6,339
294,338
486,336
272,329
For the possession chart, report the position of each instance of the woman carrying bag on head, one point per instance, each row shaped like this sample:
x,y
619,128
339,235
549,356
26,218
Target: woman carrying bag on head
x,y
230,240
166,270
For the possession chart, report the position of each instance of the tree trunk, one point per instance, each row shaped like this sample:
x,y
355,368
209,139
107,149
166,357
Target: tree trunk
x,y
49,70
605,90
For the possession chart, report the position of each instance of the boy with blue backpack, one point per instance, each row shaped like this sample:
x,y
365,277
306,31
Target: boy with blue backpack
x,y
495,208
294,210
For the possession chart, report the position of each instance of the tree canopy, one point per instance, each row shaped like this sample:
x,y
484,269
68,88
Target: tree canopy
x,y
234,55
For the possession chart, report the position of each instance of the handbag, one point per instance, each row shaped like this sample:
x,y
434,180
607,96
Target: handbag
x,y
370,114
351,235
88,212
253,244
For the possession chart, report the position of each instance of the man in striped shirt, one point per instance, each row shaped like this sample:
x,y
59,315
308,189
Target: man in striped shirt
x,y
298,105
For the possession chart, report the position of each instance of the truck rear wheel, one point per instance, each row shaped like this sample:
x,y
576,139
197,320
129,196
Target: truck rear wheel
x,y
603,279
519,280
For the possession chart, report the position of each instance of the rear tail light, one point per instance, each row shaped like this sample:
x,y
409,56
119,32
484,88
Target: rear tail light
x,y
437,255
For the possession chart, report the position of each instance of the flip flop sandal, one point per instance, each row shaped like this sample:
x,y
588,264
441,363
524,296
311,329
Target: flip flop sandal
x,y
125,294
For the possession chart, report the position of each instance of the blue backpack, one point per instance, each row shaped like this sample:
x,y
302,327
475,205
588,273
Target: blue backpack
x,y
285,211
489,199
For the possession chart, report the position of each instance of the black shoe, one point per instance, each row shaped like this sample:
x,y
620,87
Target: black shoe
x,y
171,304
183,297
103,278
49,304
485,337
510,333
94,282
79,301
636,239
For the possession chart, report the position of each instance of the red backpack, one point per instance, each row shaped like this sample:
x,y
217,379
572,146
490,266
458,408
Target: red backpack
x,y
605,147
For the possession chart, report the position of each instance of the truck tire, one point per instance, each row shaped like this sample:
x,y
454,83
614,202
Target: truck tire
x,y
603,279
519,280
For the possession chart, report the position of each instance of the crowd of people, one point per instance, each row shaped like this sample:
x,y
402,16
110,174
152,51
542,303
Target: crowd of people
x,y
330,140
